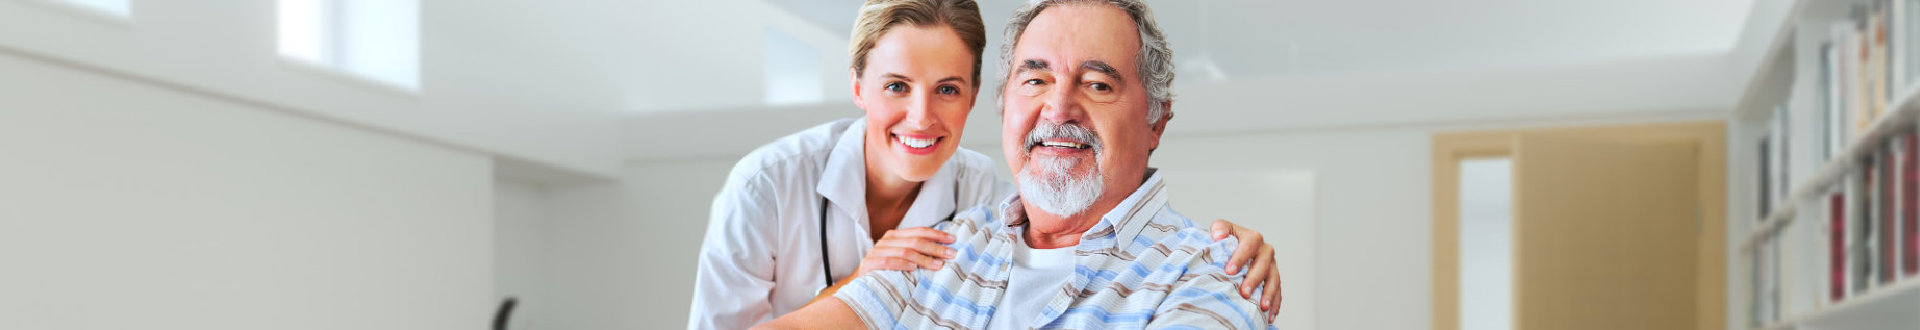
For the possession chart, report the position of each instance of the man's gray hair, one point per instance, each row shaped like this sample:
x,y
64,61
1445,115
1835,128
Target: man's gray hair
x,y
1155,61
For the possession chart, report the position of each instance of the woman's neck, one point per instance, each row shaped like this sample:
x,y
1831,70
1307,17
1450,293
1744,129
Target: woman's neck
x,y
888,197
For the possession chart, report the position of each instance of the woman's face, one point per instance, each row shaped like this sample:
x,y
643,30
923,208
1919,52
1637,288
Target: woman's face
x,y
917,91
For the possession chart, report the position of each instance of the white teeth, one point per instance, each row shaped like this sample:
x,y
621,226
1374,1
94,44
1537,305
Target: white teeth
x,y
1063,145
916,143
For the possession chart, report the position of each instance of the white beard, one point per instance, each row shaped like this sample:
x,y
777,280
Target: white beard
x,y
1058,193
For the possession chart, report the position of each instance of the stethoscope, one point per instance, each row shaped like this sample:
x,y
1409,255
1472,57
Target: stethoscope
x,y
826,266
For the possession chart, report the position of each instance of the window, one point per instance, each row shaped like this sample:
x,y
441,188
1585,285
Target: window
x,y
120,9
1486,243
377,40
793,70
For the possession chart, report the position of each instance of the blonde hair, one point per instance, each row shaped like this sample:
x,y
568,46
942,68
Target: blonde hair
x,y
879,16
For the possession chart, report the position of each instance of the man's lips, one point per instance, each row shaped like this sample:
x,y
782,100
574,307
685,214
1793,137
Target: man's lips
x,y
1063,144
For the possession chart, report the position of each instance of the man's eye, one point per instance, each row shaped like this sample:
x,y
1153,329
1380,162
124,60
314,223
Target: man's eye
x,y
949,90
1033,82
896,87
1100,87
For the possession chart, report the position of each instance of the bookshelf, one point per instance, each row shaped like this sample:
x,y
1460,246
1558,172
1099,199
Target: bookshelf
x,y
1902,117
1826,172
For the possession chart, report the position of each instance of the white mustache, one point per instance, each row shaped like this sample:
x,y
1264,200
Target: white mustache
x,y
1071,132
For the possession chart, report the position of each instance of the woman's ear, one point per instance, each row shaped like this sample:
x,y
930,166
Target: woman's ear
x,y
853,79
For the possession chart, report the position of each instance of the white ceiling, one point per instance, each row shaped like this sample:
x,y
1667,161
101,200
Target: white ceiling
x,y
1293,65
1214,40
1264,38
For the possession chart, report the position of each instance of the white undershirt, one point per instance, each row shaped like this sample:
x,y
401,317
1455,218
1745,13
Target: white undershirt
x,y
1036,277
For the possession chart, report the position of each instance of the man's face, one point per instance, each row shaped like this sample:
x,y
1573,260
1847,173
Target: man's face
x,y
1075,130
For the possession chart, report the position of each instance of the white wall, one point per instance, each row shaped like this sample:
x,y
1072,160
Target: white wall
x,y
127,205
624,253
487,84
521,225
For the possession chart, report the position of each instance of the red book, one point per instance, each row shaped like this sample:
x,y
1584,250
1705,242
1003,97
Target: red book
x,y
1837,249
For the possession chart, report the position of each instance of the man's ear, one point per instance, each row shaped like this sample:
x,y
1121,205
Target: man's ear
x,y
1160,127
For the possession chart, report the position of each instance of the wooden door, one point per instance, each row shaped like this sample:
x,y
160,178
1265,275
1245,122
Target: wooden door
x,y
1605,233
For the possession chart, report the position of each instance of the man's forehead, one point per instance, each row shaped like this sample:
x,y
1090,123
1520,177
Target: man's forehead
x,y
1069,35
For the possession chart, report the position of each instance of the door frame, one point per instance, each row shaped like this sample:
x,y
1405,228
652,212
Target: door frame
x,y
1449,148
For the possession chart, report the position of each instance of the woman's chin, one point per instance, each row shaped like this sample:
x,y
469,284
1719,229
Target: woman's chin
x,y
917,171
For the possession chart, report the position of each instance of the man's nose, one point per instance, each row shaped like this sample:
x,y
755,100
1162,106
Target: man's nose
x,y
1062,106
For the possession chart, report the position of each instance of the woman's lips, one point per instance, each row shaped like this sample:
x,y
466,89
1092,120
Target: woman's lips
x,y
917,144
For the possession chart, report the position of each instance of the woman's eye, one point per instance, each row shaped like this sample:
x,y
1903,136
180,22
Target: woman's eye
x,y
896,87
949,90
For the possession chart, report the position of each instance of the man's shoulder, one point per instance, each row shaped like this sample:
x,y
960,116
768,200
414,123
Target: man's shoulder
x,y
1184,243
978,220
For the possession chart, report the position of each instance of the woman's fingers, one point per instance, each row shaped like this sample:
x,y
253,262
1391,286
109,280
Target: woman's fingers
x,y
921,245
1250,242
1269,277
904,258
919,232
1272,301
909,248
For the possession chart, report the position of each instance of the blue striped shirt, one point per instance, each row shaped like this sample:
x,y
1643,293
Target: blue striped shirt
x,y
1142,266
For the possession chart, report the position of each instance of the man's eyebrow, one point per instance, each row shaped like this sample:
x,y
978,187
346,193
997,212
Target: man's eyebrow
x,y
1101,67
1034,65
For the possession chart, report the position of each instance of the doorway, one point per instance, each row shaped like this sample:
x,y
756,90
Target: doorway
x,y
1610,227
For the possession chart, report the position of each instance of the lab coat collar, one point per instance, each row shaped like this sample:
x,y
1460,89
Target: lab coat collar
x,y
844,182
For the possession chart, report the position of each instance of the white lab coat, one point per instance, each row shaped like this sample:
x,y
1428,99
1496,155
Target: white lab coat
x,y
761,256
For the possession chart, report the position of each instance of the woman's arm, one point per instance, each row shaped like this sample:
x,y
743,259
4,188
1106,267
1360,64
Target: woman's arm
x,y
735,279
822,314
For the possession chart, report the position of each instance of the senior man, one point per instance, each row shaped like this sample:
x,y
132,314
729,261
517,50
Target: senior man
x,y
1089,241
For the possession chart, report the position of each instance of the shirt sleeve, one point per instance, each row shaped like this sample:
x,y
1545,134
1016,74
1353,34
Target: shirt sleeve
x,y
1207,298
880,298
877,298
734,287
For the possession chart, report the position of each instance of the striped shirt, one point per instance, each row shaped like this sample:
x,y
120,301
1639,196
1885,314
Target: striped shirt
x,y
1141,266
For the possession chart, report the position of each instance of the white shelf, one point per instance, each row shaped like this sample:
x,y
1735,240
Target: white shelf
x,y
1895,306
1899,117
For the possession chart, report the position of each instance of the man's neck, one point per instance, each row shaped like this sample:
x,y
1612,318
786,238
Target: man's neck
x,y
1061,231
1052,231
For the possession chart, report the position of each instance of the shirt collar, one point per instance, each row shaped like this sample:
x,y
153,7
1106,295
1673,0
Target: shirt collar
x,y
844,180
1124,221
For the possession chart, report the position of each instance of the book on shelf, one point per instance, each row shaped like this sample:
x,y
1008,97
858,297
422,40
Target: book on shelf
x,y
1861,223
1878,60
1857,67
1908,33
1909,238
1890,177
1836,246
1834,107
1868,186
1766,178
